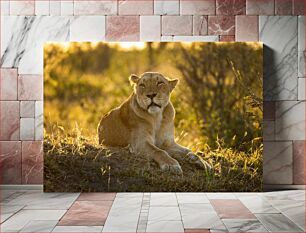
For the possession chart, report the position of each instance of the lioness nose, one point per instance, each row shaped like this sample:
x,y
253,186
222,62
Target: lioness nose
x,y
151,96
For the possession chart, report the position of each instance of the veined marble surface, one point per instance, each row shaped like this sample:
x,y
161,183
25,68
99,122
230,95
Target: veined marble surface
x,y
23,37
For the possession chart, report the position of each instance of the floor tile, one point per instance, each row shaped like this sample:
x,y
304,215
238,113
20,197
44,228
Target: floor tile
x,y
39,226
297,195
163,199
220,196
232,209
192,198
84,229
242,225
6,193
165,226
258,205
197,230
96,197
128,195
277,223
9,210
164,213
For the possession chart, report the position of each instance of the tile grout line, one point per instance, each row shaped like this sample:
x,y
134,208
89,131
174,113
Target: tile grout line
x,y
143,215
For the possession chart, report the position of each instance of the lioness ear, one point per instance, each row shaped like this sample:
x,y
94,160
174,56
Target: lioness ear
x,y
133,79
173,83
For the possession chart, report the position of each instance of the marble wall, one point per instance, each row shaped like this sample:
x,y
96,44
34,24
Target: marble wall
x,y
26,25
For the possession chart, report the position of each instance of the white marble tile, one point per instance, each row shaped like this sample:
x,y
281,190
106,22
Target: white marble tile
x,y
27,108
294,195
301,46
277,223
277,165
165,226
22,7
268,130
96,7
20,219
39,120
87,28
9,210
257,205
129,195
166,39
221,196
55,7
66,7
27,129
242,225
167,213
186,198
301,89
23,37
195,38
150,28
42,7
5,7
78,229
163,199
39,226
290,120
4,194
170,7
279,35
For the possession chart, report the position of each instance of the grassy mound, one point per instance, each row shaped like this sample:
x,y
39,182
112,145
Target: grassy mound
x,y
74,166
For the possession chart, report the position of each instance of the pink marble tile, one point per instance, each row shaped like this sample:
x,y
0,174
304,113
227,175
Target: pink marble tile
x,y
135,7
27,129
9,120
105,7
299,162
176,25
283,7
221,25
8,84
200,25
231,209
32,162
150,28
27,108
10,162
86,213
247,28
21,7
260,7
269,110
96,197
122,28
298,7
30,87
195,7
230,7
227,38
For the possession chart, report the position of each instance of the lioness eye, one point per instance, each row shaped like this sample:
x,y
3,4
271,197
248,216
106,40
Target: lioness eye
x,y
160,83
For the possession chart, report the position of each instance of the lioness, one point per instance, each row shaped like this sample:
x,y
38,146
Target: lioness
x,y
145,122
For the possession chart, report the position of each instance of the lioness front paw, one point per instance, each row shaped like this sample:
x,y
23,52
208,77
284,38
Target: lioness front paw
x,y
193,158
174,168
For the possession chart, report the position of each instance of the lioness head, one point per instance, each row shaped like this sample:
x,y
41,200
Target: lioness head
x,y
152,90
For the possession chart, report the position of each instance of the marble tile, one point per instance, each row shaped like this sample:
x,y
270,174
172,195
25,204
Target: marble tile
x,y
9,210
227,38
221,25
165,226
32,162
279,35
27,108
18,34
230,7
176,25
9,120
277,223
200,25
268,130
130,195
55,8
5,7
247,28
195,38
27,129
299,162
22,7
221,195
107,7
260,7
298,7
201,230
87,28
167,7
167,213
97,197
30,87
150,29
231,209
135,7
78,229
8,87
163,199
301,88
283,7
67,7
290,120
86,213
39,120
166,38
42,7
277,165
23,217
257,205
238,225
293,195
4,194
122,28
39,226
186,198
301,47
203,7
269,110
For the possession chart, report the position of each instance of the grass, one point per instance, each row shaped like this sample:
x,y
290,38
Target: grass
x,y
73,163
